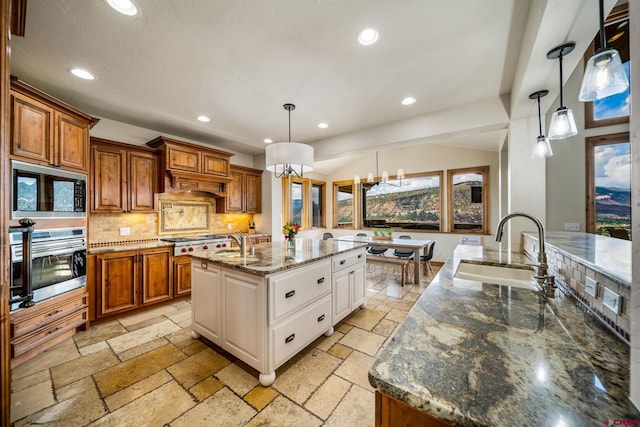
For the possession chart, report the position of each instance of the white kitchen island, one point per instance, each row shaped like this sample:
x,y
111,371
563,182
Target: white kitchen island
x,y
265,308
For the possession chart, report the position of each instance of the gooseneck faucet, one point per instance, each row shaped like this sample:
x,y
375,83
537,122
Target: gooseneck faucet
x,y
242,241
545,281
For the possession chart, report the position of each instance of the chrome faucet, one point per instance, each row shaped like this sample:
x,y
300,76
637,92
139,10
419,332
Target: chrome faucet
x,y
544,280
242,241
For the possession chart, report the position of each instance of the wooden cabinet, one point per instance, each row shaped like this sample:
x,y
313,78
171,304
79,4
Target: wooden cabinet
x,y
190,167
391,412
47,131
130,279
37,328
123,178
255,239
245,192
349,283
181,275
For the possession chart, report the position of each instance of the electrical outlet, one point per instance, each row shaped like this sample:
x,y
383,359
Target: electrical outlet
x,y
591,286
125,231
229,226
611,300
571,226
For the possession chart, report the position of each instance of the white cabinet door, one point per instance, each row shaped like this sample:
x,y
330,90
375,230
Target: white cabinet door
x,y
341,291
245,317
206,300
358,285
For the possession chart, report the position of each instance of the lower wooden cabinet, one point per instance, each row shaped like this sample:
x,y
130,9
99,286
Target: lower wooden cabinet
x,y
181,275
391,412
37,328
131,279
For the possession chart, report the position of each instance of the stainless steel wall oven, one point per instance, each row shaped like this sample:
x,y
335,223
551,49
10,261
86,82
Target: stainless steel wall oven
x,y
58,264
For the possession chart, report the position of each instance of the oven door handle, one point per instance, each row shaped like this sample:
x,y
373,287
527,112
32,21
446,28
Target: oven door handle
x,y
37,254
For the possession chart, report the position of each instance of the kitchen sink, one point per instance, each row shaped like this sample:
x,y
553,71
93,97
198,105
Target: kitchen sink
x,y
501,274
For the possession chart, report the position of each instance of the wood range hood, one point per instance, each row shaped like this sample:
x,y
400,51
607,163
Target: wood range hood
x,y
191,168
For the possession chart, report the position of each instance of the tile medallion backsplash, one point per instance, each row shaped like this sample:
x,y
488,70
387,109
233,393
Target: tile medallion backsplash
x,y
178,216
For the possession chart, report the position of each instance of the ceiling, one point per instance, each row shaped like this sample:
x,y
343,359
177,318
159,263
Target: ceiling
x,y
239,61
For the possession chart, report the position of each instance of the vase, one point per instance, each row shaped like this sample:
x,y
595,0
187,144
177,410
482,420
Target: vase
x,y
291,241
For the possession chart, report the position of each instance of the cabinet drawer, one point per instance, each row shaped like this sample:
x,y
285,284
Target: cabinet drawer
x,y
348,259
28,342
291,290
300,330
41,315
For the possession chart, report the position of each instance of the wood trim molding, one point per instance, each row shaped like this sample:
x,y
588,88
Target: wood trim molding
x,y
5,366
18,17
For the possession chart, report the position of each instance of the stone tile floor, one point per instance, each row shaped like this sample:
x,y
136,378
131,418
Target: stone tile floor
x,y
146,370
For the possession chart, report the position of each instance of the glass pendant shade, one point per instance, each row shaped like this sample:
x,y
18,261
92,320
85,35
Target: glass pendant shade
x,y
285,158
604,76
562,124
542,149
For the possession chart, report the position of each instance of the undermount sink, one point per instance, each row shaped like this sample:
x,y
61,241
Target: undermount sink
x,y
507,275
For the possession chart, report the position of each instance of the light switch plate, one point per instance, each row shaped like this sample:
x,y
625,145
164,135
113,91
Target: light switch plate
x,y
125,231
611,300
571,226
591,286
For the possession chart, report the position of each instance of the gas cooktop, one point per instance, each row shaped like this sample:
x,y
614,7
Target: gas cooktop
x,y
193,238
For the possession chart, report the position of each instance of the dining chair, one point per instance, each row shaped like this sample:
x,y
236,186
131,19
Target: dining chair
x,y
426,260
618,233
327,236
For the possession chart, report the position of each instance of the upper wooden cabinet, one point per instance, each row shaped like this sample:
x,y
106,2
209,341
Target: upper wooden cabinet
x,y
124,178
190,167
47,131
245,192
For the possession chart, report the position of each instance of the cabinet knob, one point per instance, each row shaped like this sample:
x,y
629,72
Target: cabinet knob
x,y
290,338
289,294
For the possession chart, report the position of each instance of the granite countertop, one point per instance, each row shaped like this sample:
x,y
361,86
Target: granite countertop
x,y
128,247
471,353
607,255
274,257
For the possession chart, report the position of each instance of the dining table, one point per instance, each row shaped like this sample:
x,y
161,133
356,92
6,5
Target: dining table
x,y
394,243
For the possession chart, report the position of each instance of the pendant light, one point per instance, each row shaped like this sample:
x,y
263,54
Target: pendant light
x,y
604,74
286,158
372,180
542,149
562,123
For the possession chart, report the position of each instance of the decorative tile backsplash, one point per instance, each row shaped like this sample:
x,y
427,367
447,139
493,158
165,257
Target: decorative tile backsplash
x,y
578,280
176,216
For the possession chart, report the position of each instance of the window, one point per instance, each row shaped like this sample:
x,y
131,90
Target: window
x,y
303,201
344,204
317,204
614,109
608,183
467,196
416,204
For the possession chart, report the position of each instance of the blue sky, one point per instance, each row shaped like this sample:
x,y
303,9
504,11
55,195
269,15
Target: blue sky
x,y
613,165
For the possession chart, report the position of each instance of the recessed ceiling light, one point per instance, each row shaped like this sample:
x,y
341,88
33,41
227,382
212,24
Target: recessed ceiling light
x,y
323,125
204,119
408,100
268,141
368,36
83,74
126,7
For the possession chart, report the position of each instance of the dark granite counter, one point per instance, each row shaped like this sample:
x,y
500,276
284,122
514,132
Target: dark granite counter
x,y
128,246
471,353
607,255
273,257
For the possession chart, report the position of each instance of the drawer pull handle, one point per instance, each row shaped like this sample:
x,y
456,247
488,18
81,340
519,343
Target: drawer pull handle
x,y
321,280
290,338
53,313
321,318
289,294
55,330
343,262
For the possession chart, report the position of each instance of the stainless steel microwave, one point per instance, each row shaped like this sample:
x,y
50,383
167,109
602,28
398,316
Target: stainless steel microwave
x,y
43,192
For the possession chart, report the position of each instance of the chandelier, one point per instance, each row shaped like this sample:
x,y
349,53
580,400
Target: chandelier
x,y
377,179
